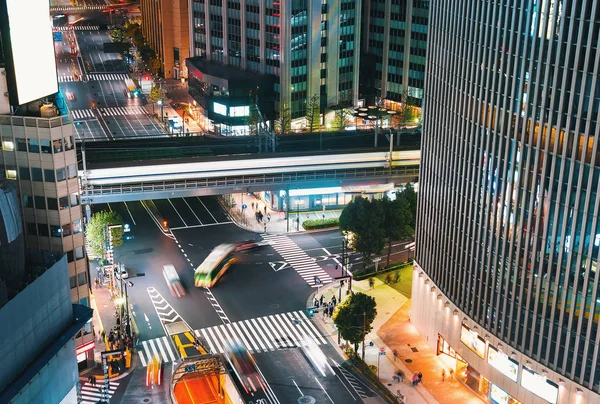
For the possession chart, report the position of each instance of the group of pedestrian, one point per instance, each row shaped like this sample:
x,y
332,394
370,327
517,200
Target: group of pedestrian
x,y
328,307
388,278
417,378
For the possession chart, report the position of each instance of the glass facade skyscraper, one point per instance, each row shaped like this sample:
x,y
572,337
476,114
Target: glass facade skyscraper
x,y
508,234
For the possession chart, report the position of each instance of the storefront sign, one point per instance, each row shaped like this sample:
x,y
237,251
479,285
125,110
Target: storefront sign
x,y
502,363
539,385
85,347
498,395
473,341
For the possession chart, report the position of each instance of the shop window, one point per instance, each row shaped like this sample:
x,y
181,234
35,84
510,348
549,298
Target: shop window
x,y
73,281
49,175
40,202
11,174
55,230
70,256
27,201
21,144
57,145
31,229
81,279
74,199
61,174
78,253
72,171
52,203
76,226
36,174
63,202
45,146
43,230
34,146
24,173
8,144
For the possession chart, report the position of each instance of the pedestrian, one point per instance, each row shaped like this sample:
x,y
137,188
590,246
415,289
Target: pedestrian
x,y
451,373
325,313
415,380
93,380
333,300
316,302
443,374
397,277
269,218
420,375
388,279
322,299
265,227
265,209
395,353
252,205
371,283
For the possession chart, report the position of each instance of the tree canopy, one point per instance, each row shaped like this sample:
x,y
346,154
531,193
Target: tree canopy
x,y
398,220
354,317
313,113
96,230
283,124
364,219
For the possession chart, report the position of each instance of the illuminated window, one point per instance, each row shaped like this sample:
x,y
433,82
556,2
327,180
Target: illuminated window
x,y
239,111
11,174
220,109
8,145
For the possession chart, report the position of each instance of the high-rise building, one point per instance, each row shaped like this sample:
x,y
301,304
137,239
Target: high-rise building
x,y
393,45
508,237
37,148
309,47
165,26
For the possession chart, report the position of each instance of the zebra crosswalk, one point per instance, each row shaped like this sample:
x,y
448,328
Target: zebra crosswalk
x,y
304,265
261,334
82,114
93,394
66,78
107,76
79,8
77,28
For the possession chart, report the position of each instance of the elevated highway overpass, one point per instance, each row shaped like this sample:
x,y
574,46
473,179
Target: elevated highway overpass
x,y
204,166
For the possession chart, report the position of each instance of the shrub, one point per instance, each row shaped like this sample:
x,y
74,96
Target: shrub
x,y
320,224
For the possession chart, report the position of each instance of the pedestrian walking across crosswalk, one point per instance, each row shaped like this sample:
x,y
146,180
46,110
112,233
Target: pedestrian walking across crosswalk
x,y
93,394
77,28
306,267
261,334
107,76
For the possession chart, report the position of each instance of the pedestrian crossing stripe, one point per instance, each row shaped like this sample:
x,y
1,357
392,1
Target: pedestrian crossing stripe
x,y
77,28
261,334
108,76
66,79
93,394
81,114
304,265
78,8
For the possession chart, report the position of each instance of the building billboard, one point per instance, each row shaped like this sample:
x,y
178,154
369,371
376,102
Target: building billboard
x,y
473,341
539,385
32,48
502,363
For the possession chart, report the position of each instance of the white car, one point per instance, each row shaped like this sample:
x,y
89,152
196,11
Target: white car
x,y
316,357
121,274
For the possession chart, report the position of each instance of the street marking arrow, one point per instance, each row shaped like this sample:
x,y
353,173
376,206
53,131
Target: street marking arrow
x,y
278,265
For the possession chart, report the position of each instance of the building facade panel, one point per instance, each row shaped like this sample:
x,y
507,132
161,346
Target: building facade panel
x,y
508,228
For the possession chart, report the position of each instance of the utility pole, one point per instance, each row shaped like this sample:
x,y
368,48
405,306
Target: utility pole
x,y
364,334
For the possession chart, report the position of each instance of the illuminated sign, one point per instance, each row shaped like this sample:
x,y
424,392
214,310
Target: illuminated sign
x,y
502,363
239,111
473,341
539,385
32,49
85,347
220,109
498,395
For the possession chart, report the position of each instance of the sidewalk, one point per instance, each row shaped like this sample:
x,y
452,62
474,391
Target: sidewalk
x,y
246,218
170,112
391,331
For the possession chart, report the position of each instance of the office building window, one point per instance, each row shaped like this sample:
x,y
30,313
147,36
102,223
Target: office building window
x,y
49,175
73,281
81,279
34,146
72,171
45,146
27,201
61,174
11,174
36,174
63,202
78,253
40,202
55,230
8,144
31,229
52,203
57,145
43,229
70,256
76,226
74,199
24,173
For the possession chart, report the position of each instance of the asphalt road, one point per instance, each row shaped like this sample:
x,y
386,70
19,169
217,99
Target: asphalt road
x,y
259,290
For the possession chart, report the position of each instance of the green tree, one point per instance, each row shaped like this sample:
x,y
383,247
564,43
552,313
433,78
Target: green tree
x,y
146,53
364,219
118,34
354,317
340,119
283,124
397,220
411,197
154,66
96,231
313,113
154,96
